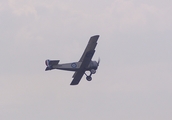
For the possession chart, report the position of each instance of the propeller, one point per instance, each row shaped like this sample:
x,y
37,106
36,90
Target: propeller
x,y
98,62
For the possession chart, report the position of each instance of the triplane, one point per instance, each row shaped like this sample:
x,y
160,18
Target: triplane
x,y
84,64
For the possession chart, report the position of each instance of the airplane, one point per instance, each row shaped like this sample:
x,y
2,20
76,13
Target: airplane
x,y
84,64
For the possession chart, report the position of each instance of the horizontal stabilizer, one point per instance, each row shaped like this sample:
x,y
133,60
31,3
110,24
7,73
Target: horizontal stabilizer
x,y
54,62
51,63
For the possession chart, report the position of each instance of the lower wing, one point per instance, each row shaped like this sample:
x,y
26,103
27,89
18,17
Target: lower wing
x,y
77,78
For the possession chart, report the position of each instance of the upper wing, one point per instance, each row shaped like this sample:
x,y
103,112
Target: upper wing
x,y
88,53
85,59
78,74
90,46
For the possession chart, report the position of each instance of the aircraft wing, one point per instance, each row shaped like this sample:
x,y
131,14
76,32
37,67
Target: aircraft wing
x,y
77,77
85,59
90,46
78,74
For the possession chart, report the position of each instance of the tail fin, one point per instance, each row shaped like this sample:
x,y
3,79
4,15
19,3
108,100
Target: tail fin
x,y
51,63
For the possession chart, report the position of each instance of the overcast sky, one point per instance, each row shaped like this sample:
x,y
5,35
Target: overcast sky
x,y
134,78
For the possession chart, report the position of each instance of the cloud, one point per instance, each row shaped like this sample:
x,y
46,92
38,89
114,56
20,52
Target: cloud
x,y
134,46
127,16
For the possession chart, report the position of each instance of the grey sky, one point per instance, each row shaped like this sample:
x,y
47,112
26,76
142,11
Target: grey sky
x,y
133,81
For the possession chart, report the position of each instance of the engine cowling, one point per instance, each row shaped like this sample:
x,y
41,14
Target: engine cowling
x,y
93,65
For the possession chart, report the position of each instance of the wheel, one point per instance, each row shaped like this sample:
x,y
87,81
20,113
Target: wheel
x,y
89,78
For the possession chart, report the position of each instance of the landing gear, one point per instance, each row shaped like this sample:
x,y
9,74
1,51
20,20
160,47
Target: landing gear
x,y
89,78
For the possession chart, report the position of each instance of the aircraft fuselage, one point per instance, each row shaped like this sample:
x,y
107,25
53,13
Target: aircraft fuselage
x,y
75,66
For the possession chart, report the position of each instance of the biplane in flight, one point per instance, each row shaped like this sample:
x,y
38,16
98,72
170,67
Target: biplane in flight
x,y
84,64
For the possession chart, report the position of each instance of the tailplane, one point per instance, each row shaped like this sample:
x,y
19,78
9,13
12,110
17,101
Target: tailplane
x,y
51,63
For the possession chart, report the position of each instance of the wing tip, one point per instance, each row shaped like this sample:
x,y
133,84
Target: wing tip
x,y
97,36
72,84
